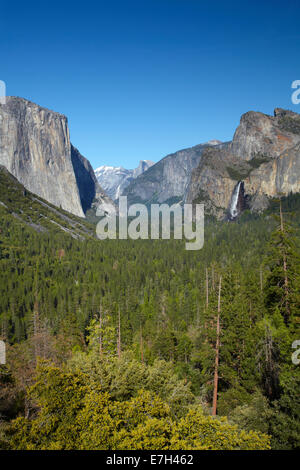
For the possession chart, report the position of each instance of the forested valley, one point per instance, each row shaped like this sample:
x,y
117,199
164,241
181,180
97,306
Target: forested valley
x,y
124,344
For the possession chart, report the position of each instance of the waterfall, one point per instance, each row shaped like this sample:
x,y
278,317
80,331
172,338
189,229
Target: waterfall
x,y
233,209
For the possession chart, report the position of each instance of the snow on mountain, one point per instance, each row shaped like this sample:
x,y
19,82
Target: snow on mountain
x,y
115,179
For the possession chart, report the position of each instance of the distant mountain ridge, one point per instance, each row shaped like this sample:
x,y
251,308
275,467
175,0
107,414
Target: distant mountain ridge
x,y
114,180
261,162
167,180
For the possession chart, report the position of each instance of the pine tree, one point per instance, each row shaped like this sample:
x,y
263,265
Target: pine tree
x,y
282,289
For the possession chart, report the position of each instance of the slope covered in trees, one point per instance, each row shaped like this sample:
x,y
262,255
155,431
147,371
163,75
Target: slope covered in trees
x,y
122,323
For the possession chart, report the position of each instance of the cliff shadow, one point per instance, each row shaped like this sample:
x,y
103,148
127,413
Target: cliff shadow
x,y
84,178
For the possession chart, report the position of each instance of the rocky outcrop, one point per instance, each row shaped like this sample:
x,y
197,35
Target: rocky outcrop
x,y
264,155
144,165
167,180
35,147
114,180
211,182
90,192
280,175
270,136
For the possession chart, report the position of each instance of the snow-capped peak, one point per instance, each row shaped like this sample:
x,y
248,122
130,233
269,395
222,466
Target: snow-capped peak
x,y
114,179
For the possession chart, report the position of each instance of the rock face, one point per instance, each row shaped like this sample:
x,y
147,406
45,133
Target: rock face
x,y
90,192
143,166
35,147
114,180
167,180
262,161
264,154
260,134
211,183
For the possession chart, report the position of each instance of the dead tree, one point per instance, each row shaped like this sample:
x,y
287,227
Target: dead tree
x,y
216,374
119,335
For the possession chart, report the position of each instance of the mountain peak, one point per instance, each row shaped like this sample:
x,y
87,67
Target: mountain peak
x,y
115,179
213,142
280,112
14,102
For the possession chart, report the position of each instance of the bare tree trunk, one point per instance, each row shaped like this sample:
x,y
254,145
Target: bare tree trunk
x,y
286,284
100,335
119,335
36,330
261,279
4,330
206,283
284,255
26,407
142,346
46,340
281,217
216,375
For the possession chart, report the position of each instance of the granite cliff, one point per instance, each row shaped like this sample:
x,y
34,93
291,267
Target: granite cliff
x,y
264,154
90,192
262,161
35,147
167,180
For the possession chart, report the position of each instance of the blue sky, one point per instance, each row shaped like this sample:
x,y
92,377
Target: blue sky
x,y
141,79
